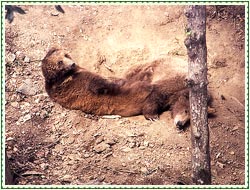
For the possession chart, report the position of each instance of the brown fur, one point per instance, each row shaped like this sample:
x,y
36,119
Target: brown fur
x,y
76,88
178,102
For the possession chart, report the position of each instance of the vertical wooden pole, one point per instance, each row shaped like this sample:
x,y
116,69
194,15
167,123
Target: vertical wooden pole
x,y
197,60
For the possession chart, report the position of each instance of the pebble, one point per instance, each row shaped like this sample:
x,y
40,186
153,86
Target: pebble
x,y
151,145
232,153
15,149
144,170
44,166
111,141
101,147
218,155
67,178
11,58
69,140
26,59
54,14
131,144
99,140
15,104
86,155
43,114
142,147
126,149
146,143
235,128
27,88
221,165
26,118
108,154
19,54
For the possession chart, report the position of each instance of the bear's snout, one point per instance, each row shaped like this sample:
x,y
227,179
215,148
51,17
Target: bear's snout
x,y
179,124
180,120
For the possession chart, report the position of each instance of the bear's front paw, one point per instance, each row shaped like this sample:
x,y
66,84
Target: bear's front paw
x,y
151,117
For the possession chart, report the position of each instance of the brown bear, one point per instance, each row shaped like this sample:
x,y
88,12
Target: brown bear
x,y
180,104
74,87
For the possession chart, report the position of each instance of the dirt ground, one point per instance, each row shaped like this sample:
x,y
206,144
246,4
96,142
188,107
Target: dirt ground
x,y
49,145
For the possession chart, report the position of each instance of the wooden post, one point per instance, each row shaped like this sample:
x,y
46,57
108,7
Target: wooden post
x,y
197,60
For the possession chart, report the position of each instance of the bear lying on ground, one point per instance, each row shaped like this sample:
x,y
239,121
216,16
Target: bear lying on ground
x,y
180,106
74,87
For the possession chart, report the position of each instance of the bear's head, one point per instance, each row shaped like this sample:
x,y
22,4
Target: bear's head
x,y
56,64
180,110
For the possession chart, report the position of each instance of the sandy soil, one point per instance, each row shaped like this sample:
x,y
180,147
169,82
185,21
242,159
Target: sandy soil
x,y
47,144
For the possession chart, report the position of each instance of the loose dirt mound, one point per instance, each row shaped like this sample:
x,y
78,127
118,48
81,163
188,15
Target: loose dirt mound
x,y
47,144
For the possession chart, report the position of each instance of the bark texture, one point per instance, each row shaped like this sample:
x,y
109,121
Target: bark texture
x,y
197,60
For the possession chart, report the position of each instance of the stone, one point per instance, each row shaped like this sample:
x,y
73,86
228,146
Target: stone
x,y
126,149
27,88
111,141
10,58
26,59
101,147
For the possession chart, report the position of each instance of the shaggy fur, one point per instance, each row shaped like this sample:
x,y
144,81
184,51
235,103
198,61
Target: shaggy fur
x,y
178,102
76,88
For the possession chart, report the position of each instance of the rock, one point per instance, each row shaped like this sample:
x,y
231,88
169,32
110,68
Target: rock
x,y
101,147
68,140
43,114
10,58
151,145
9,139
111,141
15,149
19,55
126,149
15,104
132,144
86,155
26,59
97,134
235,128
32,172
44,166
221,165
66,178
74,157
144,170
146,143
108,154
232,153
27,88
59,149
26,118
218,155
54,14
142,147
99,140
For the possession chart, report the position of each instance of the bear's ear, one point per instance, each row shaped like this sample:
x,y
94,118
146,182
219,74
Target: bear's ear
x,y
51,51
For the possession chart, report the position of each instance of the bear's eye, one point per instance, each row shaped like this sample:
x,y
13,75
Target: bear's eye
x,y
59,63
186,111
